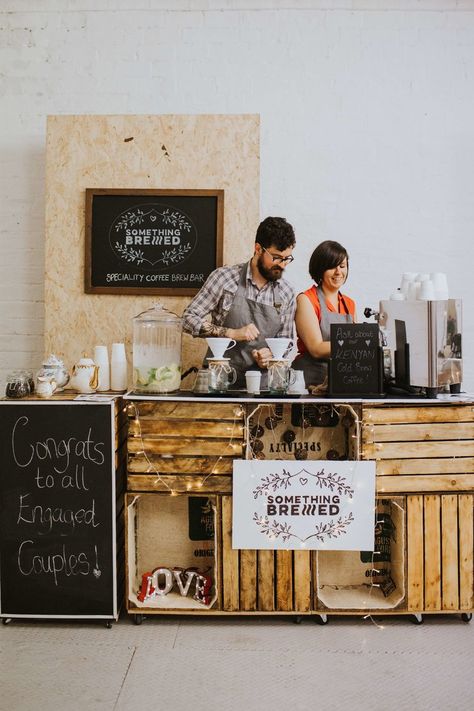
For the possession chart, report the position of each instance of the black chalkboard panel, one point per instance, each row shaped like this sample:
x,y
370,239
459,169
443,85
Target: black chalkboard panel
x,y
355,366
152,241
57,510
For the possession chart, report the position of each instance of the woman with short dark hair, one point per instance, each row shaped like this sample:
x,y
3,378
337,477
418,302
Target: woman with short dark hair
x,y
320,306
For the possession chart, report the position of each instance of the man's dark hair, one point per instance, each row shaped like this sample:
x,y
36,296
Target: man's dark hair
x,y
327,255
275,231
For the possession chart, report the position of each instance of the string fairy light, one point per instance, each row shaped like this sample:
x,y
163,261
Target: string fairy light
x,y
151,466
160,478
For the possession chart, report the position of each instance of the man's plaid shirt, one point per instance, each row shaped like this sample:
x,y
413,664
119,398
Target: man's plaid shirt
x,y
206,313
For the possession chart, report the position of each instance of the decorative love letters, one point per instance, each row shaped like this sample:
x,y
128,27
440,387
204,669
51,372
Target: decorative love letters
x,y
161,581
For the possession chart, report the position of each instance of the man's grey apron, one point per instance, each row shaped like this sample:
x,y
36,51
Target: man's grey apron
x,y
316,369
265,317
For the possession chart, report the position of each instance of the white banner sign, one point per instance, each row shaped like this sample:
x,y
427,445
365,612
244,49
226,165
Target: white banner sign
x,y
324,505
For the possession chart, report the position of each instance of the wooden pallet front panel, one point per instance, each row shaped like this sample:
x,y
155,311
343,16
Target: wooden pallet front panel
x,y
264,580
184,446
420,449
440,548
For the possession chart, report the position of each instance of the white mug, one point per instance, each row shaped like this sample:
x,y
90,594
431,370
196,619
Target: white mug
x,y
298,385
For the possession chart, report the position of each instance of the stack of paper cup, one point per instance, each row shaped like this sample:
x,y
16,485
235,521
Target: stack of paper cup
x,y
413,290
427,291
407,279
440,283
101,358
118,371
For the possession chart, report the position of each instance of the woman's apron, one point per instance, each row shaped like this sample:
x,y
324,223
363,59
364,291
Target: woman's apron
x,y
316,369
265,317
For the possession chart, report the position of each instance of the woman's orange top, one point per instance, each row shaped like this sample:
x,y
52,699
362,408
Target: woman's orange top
x,y
345,306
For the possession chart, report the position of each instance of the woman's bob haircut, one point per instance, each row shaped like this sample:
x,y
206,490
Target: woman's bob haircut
x,y
327,255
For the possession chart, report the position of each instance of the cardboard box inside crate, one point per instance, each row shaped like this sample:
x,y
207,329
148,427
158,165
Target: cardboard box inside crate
x,y
159,533
345,582
319,431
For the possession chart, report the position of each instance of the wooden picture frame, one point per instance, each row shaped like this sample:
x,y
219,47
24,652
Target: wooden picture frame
x,y
163,242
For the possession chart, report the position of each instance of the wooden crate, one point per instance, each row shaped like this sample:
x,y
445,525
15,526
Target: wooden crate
x,y
427,452
302,431
159,535
440,574
352,582
420,449
183,446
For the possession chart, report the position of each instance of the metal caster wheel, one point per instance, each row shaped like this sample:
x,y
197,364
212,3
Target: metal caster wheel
x,y
466,616
108,625
6,620
321,619
137,619
417,619
298,619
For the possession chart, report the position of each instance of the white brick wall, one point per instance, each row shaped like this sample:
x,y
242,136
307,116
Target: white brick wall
x,y
367,111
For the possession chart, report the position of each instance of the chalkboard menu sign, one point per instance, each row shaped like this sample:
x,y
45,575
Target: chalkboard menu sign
x,y
57,510
355,366
152,241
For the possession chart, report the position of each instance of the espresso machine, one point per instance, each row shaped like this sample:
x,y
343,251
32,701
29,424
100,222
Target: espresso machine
x,y
422,344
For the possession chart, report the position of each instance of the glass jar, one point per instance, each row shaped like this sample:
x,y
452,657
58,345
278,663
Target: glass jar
x,y
17,385
280,376
157,351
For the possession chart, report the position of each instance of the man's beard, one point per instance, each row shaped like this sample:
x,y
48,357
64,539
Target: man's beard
x,y
272,274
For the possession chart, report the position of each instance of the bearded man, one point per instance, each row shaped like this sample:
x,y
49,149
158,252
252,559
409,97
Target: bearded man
x,y
249,302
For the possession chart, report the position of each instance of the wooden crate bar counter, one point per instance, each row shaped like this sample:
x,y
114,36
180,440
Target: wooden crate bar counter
x,y
424,453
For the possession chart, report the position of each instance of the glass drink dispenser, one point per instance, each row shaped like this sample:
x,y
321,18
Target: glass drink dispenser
x,y
156,351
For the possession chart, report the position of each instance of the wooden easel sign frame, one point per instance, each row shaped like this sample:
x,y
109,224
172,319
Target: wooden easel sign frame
x,y
163,242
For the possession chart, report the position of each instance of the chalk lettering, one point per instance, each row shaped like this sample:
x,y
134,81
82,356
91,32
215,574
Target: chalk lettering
x,y
53,564
58,452
47,517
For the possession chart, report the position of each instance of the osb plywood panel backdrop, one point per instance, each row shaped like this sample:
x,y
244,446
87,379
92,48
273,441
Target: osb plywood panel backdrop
x,y
201,152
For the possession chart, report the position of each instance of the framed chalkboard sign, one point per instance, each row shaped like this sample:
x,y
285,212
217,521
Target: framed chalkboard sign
x,y
57,510
152,241
356,363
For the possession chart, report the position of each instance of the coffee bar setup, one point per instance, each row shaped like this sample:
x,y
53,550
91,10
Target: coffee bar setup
x,y
204,499
141,473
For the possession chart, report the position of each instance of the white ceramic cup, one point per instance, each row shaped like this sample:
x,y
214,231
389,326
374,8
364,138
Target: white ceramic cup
x,y
397,296
101,358
219,346
252,380
298,385
279,346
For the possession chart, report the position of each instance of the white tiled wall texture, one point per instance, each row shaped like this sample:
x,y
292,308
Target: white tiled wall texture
x,y
367,115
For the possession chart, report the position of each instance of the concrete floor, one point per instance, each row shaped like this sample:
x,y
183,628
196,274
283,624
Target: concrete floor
x,y
227,663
